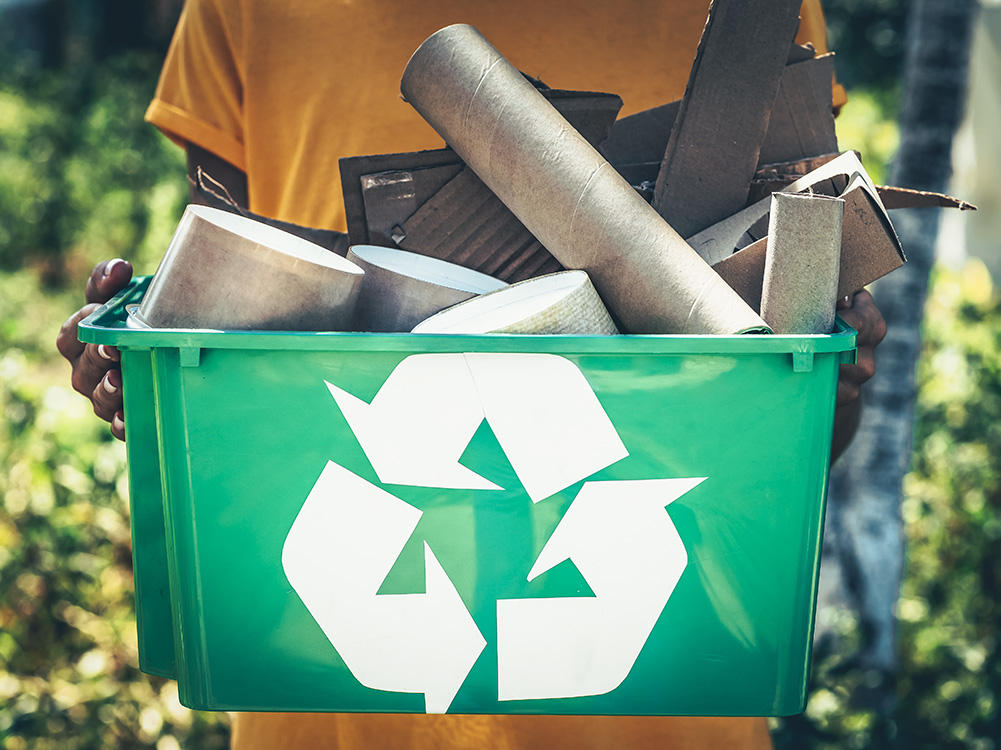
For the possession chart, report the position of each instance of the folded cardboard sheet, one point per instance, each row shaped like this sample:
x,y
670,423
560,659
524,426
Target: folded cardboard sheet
x,y
869,246
713,150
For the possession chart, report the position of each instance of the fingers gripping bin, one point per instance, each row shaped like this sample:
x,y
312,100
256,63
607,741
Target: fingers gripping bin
x,y
481,524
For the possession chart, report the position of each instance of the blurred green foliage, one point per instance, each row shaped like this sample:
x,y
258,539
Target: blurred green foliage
x,y
868,39
81,179
948,687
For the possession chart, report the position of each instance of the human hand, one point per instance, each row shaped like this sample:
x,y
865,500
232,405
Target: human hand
x,y
96,373
860,312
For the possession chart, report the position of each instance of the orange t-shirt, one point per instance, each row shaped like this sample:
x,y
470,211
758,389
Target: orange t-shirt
x,y
283,89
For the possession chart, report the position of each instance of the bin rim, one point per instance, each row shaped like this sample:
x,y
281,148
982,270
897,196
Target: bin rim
x,y
107,325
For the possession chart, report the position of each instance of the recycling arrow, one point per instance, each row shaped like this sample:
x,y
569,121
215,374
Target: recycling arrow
x,y
341,547
419,423
555,433
544,414
627,548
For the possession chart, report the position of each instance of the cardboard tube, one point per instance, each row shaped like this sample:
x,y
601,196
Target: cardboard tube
x,y
227,271
563,302
802,263
400,288
567,195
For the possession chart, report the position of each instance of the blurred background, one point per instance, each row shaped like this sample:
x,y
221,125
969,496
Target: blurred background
x,y
82,179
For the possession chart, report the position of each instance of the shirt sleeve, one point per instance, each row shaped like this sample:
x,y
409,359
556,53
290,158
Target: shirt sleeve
x,y
199,98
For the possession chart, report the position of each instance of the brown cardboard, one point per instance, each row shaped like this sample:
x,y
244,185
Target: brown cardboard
x,y
772,177
869,249
713,149
745,272
898,197
389,197
799,291
801,124
571,199
560,303
466,223
718,241
354,168
401,289
641,138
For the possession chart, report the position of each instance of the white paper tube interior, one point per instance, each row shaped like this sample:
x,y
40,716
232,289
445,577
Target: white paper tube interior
x,y
567,195
402,288
563,302
425,268
802,263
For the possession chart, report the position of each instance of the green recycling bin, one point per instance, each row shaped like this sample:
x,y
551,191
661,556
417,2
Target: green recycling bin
x,y
478,524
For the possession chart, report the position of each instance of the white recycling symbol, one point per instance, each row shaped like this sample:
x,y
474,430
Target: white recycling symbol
x,y
554,432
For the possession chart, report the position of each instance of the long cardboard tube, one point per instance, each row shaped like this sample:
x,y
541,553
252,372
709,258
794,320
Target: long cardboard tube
x,y
567,195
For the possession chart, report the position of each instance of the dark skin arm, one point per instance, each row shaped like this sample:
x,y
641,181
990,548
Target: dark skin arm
x,y
860,312
96,371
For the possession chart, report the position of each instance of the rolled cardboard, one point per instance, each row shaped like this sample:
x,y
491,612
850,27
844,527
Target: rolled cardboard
x,y
564,302
227,271
802,263
400,288
567,195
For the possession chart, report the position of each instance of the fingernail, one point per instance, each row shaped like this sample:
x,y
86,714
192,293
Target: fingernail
x,y
117,423
111,266
108,386
103,351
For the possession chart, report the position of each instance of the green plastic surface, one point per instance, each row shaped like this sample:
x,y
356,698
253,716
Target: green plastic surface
x,y
245,424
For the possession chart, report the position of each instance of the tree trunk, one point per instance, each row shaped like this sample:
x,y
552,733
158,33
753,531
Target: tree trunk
x,y
865,541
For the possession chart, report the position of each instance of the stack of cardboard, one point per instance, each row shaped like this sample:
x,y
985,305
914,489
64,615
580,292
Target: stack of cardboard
x,y
505,201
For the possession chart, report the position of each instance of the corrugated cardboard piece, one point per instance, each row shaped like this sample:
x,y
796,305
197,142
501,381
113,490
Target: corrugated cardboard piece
x,y
799,292
465,223
713,149
571,199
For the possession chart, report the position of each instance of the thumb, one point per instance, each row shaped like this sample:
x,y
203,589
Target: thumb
x,y
107,278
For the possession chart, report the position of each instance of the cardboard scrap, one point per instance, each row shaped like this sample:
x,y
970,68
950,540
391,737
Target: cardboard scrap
x,y
466,223
388,196
899,197
354,168
869,246
567,195
713,149
802,259
801,124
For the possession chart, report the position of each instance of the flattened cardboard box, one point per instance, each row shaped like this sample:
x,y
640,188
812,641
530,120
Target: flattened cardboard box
x,y
724,112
